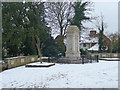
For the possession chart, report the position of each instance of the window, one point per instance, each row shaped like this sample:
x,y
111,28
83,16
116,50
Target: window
x,y
84,44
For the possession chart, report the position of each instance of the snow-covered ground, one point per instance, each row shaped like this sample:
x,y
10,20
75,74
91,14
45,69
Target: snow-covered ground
x,y
110,59
91,75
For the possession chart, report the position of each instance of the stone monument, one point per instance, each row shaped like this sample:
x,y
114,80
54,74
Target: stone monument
x,y
72,42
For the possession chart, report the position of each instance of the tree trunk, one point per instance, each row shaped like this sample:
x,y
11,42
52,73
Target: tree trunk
x,y
34,44
39,51
38,45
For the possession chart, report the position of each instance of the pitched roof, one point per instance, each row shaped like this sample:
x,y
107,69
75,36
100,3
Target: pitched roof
x,y
94,48
104,37
85,38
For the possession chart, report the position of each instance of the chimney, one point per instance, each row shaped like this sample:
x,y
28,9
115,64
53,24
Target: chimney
x,y
92,33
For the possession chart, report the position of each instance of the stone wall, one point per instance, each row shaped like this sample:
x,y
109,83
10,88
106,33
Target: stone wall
x,y
66,60
71,61
106,55
20,60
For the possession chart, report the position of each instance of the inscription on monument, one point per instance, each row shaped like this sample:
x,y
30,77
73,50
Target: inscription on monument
x,y
72,45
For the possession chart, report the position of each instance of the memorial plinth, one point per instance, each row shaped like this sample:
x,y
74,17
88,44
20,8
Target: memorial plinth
x,y
72,42
38,64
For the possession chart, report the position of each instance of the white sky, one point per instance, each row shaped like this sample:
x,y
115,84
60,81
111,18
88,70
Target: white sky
x,y
109,9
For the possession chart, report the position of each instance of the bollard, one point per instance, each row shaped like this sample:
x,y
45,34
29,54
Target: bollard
x,y
48,59
82,59
90,59
97,58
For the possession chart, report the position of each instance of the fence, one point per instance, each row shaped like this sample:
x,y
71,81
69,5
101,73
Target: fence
x,y
20,60
106,55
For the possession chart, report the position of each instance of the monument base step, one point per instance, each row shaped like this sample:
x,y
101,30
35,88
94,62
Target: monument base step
x,y
72,60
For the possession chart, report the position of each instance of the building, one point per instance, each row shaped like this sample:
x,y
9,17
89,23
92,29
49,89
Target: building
x,y
90,42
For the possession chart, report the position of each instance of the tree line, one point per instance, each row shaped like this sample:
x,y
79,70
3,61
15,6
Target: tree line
x,y
27,27
24,29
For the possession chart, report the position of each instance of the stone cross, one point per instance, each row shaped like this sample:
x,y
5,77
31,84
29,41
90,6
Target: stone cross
x,y
72,42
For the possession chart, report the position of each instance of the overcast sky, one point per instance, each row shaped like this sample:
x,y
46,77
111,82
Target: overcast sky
x,y
109,9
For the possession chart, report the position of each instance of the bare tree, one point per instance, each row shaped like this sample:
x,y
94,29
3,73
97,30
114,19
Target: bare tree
x,y
99,22
114,42
58,16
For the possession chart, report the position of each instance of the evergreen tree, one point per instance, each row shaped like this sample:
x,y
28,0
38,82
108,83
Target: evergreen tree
x,y
80,9
59,41
101,25
101,38
37,28
50,49
24,29
12,34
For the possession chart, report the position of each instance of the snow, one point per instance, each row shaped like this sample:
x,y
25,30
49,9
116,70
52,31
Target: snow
x,y
44,57
40,64
91,75
15,57
110,58
94,48
85,38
